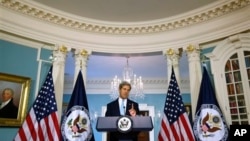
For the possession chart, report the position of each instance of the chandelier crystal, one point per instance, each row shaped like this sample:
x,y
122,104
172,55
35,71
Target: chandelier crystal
x,y
129,76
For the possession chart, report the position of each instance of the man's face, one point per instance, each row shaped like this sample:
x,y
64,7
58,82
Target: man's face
x,y
124,92
6,95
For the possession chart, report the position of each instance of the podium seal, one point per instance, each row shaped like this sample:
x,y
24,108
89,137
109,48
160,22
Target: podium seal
x,y
124,124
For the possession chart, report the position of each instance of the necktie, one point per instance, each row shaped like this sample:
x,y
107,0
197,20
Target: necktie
x,y
122,108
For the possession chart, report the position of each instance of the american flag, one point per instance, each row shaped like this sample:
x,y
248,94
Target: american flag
x,y
175,125
41,123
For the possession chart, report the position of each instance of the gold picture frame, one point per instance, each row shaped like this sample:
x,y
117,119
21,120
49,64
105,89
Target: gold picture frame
x,y
188,107
64,108
189,111
20,86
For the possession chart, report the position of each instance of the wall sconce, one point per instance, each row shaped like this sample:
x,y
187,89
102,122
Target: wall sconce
x,y
93,117
52,58
158,114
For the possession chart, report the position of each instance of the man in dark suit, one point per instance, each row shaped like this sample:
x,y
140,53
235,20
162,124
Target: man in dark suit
x,y
123,106
7,108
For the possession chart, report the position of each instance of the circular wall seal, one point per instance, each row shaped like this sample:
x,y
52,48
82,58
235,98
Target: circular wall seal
x,y
124,124
76,124
209,124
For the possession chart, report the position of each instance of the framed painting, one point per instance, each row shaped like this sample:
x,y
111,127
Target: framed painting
x,y
189,112
64,107
14,94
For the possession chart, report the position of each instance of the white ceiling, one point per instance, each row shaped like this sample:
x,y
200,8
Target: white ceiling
x,y
107,66
125,10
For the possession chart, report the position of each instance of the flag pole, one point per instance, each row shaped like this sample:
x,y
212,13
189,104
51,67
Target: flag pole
x,y
81,65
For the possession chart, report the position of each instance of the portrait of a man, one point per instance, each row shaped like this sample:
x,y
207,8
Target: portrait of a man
x,y
189,113
7,108
14,94
10,93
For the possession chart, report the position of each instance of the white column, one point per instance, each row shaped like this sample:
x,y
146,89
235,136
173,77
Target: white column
x,y
81,58
59,55
195,74
173,57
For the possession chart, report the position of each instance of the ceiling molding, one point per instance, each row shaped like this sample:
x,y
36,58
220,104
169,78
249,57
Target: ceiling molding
x,y
212,11
26,27
24,41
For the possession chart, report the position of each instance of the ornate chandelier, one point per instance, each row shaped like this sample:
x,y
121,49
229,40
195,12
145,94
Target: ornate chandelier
x,y
129,76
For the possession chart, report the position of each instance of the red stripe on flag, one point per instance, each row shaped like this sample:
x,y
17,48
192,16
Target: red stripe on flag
x,y
175,134
164,129
22,135
30,124
47,125
160,138
40,133
187,128
181,127
56,124
181,135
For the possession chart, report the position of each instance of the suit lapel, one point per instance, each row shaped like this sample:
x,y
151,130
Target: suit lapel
x,y
128,106
117,108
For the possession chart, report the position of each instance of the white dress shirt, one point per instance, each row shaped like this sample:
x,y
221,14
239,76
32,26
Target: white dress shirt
x,y
4,103
120,100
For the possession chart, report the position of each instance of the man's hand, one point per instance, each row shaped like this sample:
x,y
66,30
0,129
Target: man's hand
x,y
132,111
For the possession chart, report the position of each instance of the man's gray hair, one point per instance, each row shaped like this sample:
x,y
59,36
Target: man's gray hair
x,y
9,89
124,83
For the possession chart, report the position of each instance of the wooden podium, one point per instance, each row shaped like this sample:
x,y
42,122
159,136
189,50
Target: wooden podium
x,y
124,128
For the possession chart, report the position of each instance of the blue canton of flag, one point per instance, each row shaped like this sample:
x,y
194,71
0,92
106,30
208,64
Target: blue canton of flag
x,y
45,103
175,124
76,123
209,123
174,105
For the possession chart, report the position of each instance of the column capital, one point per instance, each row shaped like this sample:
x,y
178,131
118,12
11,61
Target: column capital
x,y
173,57
192,48
59,55
82,53
81,58
193,53
61,49
173,52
